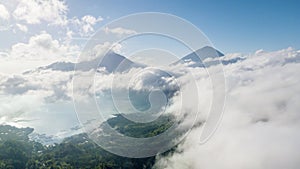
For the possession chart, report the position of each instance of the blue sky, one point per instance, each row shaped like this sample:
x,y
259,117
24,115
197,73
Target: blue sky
x,y
232,26
65,26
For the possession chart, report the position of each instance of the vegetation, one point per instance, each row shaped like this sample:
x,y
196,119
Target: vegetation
x,y
140,130
17,151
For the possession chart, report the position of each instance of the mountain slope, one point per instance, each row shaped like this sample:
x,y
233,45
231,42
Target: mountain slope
x,y
111,62
195,59
77,151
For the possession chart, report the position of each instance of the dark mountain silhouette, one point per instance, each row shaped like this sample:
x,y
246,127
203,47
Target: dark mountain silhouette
x,y
112,62
195,59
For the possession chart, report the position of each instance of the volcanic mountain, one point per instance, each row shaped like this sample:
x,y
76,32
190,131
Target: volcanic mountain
x,y
195,59
111,62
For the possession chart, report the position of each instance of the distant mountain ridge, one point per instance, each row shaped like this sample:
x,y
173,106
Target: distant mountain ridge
x,y
203,53
197,57
111,62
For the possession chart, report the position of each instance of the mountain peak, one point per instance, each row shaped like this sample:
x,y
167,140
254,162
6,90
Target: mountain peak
x,y
203,53
110,61
199,55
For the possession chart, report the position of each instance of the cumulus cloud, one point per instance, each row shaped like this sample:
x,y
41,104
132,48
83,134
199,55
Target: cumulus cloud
x,y
13,107
42,46
36,11
32,98
57,84
24,14
99,50
88,23
260,123
119,31
22,27
4,54
84,26
4,14
38,46
4,18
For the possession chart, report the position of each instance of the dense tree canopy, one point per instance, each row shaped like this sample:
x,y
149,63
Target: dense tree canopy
x,y
17,151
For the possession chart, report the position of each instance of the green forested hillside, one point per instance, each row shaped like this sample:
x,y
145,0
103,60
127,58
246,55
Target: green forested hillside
x,y
78,151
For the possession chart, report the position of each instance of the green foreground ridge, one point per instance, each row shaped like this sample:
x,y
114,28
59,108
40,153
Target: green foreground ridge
x,y
17,151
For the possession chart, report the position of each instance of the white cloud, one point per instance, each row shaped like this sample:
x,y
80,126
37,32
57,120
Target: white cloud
x,y
260,123
22,27
36,11
99,50
91,19
32,98
38,46
84,26
4,54
4,18
88,22
120,31
40,50
12,107
41,46
4,14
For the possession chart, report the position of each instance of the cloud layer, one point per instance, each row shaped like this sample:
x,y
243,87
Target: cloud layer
x,y
259,128
260,123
